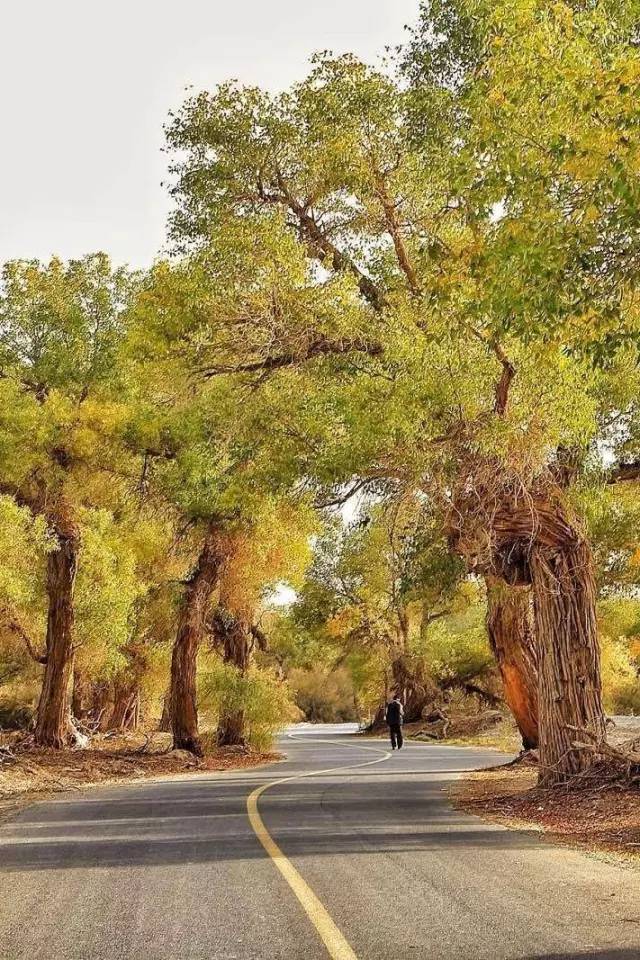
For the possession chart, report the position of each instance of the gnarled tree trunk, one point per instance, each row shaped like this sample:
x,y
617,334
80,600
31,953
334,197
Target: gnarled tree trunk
x,y
165,720
570,689
557,560
411,686
512,638
405,679
531,537
53,720
191,627
81,696
127,698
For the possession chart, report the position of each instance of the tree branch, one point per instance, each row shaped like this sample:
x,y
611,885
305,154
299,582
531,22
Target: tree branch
x,y
624,472
12,623
327,250
508,372
393,227
316,348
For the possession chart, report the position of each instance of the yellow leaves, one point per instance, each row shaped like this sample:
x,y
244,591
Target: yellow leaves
x,y
275,548
496,97
628,71
591,214
563,15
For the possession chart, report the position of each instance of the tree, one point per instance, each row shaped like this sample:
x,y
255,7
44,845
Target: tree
x,y
275,550
60,327
376,586
511,632
207,438
338,158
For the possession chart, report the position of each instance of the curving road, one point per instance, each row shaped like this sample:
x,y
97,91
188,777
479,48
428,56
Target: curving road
x,y
371,862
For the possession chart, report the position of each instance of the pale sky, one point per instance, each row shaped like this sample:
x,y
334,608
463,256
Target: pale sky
x,y
87,84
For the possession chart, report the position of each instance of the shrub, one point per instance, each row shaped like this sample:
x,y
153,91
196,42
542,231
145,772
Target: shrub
x,y
15,714
265,701
323,695
457,647
620,680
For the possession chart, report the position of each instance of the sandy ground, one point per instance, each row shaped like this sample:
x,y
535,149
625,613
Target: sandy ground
x,y
600,815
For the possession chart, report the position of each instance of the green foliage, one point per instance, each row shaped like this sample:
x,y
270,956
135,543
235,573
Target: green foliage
x,y
324,696
265,701
24,541
619,624
107,589
456,647
361,258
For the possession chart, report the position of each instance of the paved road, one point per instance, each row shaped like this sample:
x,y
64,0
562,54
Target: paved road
x,y
173,870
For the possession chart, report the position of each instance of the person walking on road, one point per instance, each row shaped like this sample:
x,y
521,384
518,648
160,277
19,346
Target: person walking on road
x,y
394,715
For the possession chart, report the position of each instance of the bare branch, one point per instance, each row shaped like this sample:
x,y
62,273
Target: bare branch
x,y
327,250
508,371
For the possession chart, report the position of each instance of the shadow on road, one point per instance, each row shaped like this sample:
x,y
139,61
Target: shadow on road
x,y
48,853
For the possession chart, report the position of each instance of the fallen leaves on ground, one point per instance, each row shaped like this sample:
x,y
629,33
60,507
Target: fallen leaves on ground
x,y
602,815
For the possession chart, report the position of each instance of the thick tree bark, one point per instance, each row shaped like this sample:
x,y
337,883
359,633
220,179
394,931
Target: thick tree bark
x,y
237,648
127,701
191,626
407,680
53,721
570,689
512,639
81,696
531,537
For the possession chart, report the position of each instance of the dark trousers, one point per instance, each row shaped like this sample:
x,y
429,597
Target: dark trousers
x,y
395,729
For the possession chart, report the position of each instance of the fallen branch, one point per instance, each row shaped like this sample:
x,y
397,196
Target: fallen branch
x,y
624,758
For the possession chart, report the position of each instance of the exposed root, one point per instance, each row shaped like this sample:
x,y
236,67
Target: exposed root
x,y
621,762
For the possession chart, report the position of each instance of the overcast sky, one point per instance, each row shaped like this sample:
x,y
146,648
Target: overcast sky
x,y
87,84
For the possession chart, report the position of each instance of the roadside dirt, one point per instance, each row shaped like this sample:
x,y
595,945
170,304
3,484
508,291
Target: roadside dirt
x,y
28,774
601,817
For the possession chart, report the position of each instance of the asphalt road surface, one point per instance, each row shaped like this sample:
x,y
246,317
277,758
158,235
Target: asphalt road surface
x,y
371,861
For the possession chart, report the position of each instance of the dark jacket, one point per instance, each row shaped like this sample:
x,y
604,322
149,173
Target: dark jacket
x,y
394,714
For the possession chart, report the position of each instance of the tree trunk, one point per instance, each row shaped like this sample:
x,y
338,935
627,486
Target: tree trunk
x,y
126,706
409,683
53,721
237,647
512,639
556,558
81,696
191,626
570,688
165,720
531,537
411,686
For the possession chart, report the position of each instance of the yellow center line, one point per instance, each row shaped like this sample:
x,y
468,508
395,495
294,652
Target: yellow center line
x,y
337,946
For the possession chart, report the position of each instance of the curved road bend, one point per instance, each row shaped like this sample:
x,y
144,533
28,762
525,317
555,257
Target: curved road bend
x,y
173,870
